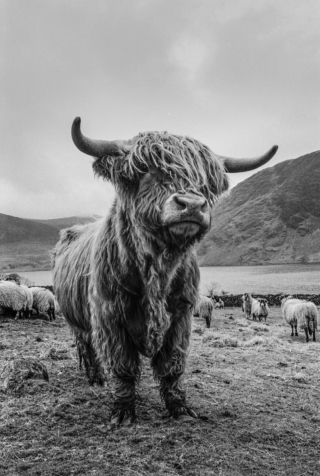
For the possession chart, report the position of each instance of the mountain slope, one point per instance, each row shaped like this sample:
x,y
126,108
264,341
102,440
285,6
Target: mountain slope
x,y
14,230
61,223
272,217
26,244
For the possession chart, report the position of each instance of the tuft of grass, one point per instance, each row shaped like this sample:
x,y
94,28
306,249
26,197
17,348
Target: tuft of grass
x,y
242,322
218,340
256,340
259,327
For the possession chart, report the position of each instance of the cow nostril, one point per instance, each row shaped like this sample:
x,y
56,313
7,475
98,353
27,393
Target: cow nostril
x,y
181,202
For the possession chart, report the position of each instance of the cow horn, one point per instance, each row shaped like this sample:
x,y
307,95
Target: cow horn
x,y
97,148
244,165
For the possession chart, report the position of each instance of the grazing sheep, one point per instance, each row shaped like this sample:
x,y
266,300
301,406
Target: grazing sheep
x,y
259,308
246,304
29,301
302,314
43,301
242,302
218,304
205,309
12,297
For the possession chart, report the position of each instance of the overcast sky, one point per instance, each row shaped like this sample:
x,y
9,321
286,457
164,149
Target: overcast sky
x,y
238,75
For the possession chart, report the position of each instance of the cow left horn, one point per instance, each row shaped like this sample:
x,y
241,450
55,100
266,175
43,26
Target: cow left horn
x,y
97,148
245,165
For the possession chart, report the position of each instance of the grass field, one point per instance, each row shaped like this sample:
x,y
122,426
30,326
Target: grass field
x,y
256,390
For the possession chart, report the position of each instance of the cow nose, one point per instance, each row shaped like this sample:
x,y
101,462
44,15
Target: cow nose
x,y
190,203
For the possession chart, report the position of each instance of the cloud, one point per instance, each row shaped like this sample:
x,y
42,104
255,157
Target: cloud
x,y
189,55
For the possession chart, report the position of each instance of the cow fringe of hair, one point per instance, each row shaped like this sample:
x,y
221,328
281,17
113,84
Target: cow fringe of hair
x,y
182,158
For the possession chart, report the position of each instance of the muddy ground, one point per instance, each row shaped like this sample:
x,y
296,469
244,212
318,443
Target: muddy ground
x,y
256,390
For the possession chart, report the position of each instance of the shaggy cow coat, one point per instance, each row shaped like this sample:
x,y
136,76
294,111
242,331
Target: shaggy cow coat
x,y
128,284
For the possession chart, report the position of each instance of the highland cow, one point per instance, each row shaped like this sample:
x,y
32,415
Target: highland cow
x,y
128,284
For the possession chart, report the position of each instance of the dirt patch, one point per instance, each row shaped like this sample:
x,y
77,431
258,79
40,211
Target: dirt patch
x,y
258,406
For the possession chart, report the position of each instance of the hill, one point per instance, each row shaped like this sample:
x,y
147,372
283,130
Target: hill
x,y
272,217
61,223
25,244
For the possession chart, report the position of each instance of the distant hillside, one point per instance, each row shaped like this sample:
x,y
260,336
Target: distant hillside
x,y
61,223
16,230
272,217
25,244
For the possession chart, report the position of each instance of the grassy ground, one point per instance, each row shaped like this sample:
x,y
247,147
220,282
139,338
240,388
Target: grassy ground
x,y
255,388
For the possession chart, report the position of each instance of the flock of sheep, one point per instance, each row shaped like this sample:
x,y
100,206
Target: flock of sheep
x,y
296,312
21,299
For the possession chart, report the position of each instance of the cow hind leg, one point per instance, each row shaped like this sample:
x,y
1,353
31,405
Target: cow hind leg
x,y
88,357
168,367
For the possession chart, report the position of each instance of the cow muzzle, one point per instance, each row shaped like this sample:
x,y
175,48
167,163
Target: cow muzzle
x,y
186,213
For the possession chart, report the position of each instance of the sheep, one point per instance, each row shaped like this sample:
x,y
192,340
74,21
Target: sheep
x,y
242,302
205,305
259,308
302,314
246,304
218,304
29,302
13,297
43,301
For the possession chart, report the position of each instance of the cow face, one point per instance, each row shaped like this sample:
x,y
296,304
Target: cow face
x,y
167,185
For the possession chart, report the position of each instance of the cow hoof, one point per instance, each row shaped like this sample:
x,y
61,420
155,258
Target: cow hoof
x,y
179,412
123,418
99,381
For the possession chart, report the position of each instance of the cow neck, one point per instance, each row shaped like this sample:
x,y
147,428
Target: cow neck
x,y
157,266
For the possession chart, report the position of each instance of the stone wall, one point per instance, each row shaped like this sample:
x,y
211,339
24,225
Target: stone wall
x,y
234,300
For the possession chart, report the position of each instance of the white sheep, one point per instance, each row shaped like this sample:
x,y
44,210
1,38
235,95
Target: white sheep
x,y
29,302
246,304
43,301
259,308
218,304
12,296
205,309
302,314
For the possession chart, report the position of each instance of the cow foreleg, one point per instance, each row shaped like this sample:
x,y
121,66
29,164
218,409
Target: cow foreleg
x,y
88,356
125,363
168,367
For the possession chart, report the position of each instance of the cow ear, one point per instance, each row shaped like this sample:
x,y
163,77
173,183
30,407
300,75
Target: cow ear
x,y
110,168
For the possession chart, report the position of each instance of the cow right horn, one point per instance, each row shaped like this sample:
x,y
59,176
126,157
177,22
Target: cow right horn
x,y
97,148
245,165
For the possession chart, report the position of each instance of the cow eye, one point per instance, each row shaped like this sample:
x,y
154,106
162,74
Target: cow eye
x,y
146,182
